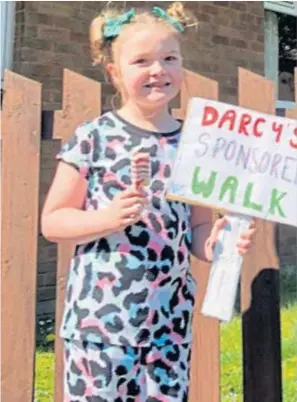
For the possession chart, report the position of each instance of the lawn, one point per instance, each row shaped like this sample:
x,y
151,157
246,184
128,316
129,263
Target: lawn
x,y
231,381
231,357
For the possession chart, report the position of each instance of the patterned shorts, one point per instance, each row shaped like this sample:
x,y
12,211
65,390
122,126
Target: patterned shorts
x,y
109,373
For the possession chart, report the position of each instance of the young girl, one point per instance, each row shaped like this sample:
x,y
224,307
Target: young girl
x,y
130,294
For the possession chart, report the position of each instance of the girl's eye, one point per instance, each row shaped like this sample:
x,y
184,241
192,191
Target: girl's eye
x,y
170,58
139,61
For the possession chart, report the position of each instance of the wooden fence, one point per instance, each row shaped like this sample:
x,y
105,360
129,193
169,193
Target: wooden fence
x,y
21,150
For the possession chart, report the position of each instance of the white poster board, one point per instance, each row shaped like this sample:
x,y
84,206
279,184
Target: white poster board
x,y
237,159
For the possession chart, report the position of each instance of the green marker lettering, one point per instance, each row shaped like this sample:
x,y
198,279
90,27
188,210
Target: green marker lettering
x,y
247,203
203,187
231,185
274,203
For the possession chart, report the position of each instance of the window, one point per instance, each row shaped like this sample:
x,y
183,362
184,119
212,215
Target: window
x,y
287,56
280,50
7,9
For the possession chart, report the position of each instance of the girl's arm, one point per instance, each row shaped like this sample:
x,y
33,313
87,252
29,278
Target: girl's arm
x,y
201,224
63,219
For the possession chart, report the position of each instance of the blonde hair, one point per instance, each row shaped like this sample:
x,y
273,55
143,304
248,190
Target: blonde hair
x,y
102,48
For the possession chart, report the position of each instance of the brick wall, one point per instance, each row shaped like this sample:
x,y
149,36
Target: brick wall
x,y
50,36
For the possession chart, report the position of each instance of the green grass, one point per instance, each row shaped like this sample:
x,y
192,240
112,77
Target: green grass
x,y
231,357
231,361
44,381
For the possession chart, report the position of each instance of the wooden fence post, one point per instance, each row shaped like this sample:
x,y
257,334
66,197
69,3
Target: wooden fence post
x,y
260,281
20,194
292,113
205,365
81,102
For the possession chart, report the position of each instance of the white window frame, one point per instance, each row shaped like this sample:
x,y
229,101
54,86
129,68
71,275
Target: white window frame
x,y
271,43
7,21
285,7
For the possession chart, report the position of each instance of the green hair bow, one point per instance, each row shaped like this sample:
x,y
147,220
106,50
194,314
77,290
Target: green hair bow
x,y
113,26
160,13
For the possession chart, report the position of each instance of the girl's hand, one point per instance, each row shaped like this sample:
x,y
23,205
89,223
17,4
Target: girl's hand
x,y
246,239
126,208
244,243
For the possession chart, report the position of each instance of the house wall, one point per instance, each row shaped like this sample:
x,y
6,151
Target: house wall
x,y
51,36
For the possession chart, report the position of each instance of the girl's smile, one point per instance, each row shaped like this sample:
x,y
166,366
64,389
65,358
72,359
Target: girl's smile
x,y
149,67
157,85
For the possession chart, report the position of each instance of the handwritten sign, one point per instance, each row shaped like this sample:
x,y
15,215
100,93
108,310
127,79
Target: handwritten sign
x,y
237,159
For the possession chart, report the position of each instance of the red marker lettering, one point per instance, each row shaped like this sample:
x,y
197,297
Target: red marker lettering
x,y
292,143
210,116
228,117
278,129
256,131
244,121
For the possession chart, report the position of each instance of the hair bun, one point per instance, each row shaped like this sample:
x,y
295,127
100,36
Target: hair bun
x,y
96,40
176,10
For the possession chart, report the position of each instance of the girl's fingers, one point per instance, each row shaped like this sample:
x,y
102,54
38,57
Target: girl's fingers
x,y
129,202
131,220
253,223
211,241
209,248
244,245
218,225
132,211
132,192
248,234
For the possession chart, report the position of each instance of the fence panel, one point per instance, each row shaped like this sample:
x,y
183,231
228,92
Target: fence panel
x,y
20,191
260,281
81,102
21,119
205,365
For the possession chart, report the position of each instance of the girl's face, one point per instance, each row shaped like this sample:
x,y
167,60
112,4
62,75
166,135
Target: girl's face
x,y
148,67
